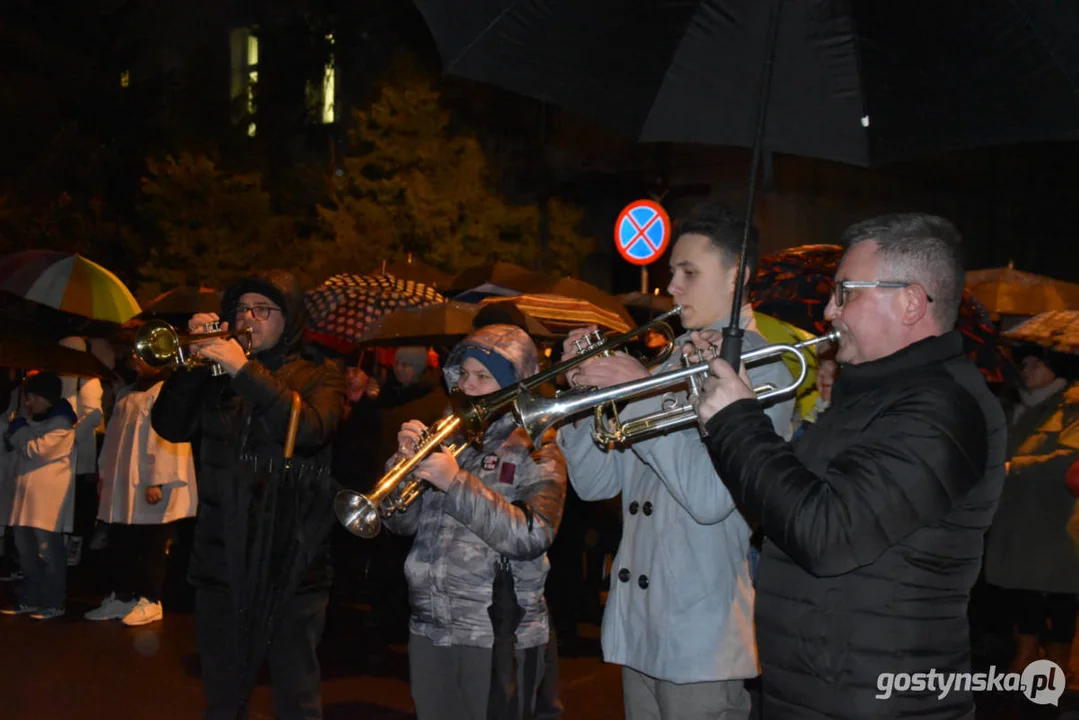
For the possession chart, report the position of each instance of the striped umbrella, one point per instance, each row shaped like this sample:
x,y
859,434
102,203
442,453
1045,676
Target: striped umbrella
x,y
564,313
68,282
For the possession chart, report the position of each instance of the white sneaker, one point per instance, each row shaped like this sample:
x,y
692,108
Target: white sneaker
x,y
111,609
144,613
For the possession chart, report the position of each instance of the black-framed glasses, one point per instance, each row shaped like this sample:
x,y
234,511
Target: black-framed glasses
x,y
259,312
839,292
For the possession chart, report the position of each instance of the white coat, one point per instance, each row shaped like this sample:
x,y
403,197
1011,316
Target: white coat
x,y
84,396
44,469
134,457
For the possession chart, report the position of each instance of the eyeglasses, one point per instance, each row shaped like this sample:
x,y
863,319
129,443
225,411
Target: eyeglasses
x,y
839,292
259,312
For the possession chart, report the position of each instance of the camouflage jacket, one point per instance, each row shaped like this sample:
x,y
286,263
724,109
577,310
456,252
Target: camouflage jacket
x,y
461,534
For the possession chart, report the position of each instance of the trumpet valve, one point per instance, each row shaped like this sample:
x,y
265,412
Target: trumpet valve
x,y
587,342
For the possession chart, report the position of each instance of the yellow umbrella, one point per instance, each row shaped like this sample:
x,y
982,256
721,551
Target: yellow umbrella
x,y
68,282
776,331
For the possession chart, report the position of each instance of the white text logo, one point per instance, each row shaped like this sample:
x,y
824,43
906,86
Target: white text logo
x,y
1042,682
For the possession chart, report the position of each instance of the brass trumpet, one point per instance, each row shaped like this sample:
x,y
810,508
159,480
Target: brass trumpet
x,y
159,344
362,515
536,414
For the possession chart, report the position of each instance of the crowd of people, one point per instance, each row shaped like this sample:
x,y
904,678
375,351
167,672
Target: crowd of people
x,y
816,553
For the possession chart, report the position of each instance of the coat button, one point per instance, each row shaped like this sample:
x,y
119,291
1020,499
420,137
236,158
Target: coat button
x,y
647,508
623,575
642,581
633,507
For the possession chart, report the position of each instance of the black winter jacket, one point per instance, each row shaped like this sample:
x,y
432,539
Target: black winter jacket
x,y
242,424
875,522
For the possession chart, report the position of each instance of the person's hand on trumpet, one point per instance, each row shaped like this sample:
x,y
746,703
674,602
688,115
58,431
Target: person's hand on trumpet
x,y
226,352
439,469
409,437
723,385
600,371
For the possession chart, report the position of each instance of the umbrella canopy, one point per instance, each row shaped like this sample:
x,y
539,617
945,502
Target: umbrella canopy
x,y
1007,291
562,313
847,84
497,278
27,353
1057,330
68,282
795,285
420,272
506,280
184,300
442,324
347,306
777,332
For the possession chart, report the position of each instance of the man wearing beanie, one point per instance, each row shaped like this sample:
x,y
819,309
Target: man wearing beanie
x,y
251,605
43,441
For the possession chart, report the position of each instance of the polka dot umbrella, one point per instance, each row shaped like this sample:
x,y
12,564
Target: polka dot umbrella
x,y
67,282
347,306
795,285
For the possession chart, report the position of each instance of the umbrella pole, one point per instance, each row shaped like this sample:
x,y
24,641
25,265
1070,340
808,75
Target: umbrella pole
x,y
731,350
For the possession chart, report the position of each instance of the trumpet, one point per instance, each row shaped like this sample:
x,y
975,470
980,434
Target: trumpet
x,y
159,344
536,415
397,489
362,515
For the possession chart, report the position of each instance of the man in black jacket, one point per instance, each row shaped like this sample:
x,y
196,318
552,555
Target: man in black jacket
x,y
875,517
260,562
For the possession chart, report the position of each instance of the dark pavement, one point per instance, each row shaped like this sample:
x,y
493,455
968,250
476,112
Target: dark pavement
x,y
72,669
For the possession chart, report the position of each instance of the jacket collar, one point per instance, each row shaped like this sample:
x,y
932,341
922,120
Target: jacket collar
x,y
921,355
746,320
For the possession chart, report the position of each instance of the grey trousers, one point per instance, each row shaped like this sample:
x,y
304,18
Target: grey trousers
x,y
452,683
647,698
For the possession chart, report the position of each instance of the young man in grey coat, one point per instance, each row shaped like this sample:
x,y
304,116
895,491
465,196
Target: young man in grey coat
x,y
679,616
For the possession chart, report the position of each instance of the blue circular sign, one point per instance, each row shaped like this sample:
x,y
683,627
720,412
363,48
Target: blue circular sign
x,y
642,232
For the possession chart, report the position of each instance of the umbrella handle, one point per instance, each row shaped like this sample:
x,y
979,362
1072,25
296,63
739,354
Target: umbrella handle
x,y
293,426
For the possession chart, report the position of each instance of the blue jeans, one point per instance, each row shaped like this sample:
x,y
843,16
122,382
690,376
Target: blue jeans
x,y
44,567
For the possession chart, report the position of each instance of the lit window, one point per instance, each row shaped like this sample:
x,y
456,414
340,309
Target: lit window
x,y
329,86
322,96
125,78
245,57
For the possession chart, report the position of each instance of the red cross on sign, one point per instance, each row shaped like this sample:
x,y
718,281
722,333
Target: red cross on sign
x,y
642,232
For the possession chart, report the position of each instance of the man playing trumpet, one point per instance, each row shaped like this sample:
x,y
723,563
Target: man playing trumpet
x,y
875,518
679,616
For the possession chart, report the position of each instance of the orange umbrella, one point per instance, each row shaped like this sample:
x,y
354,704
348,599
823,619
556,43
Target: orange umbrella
x,y
1007,291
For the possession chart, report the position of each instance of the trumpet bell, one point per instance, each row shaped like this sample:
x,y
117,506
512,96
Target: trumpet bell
x,y
157,343
358,514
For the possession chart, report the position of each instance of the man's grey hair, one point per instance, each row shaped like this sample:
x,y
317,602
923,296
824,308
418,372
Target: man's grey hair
x,y
918,248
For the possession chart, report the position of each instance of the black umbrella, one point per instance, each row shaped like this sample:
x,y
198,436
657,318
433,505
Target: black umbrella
x,y
860,81
29,353
504,700
285,514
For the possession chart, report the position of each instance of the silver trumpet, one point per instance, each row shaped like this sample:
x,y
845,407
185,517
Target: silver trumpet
x,y
538,414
